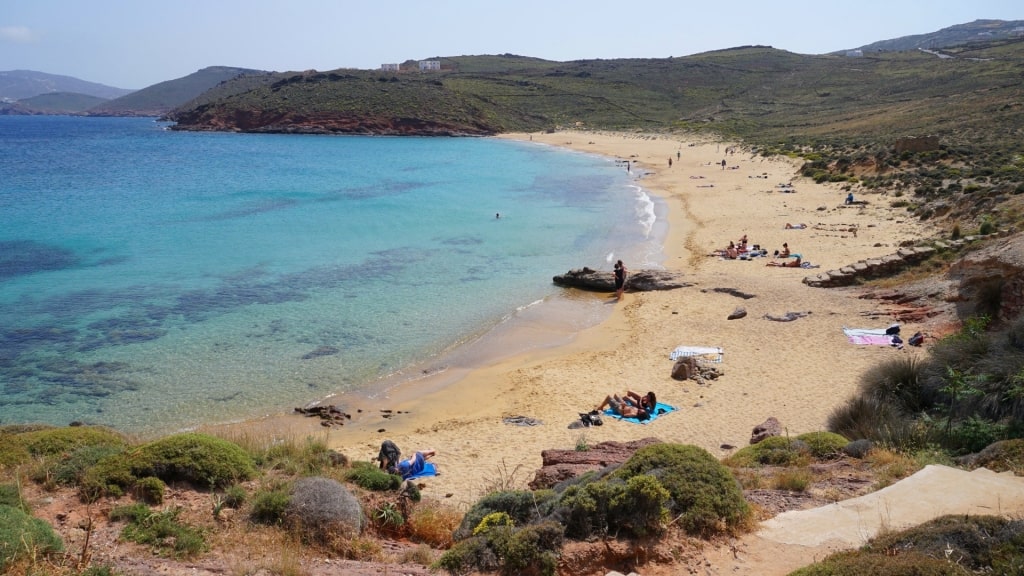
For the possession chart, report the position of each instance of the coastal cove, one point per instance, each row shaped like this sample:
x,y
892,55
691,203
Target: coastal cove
x,y
796,371
155,281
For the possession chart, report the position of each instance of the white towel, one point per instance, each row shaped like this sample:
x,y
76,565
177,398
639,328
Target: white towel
x,y
683,351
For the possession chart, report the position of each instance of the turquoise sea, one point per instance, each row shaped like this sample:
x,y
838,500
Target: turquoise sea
x,y
153,280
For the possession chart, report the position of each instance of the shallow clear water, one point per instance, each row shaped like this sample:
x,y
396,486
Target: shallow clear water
x,y
153,280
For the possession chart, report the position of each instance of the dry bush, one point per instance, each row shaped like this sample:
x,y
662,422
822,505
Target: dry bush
x,y
433,523
322,509
794,480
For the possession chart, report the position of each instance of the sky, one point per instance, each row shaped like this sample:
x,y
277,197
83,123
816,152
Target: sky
x,y
137,43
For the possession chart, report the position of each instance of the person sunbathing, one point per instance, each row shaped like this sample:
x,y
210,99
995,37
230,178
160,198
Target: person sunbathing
x,y
795,226
794,263
647,402
413,466
623,408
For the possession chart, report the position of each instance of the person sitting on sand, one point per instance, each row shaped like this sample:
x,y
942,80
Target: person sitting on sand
x,y
623,408
795,226
413,466
794,263
732,252
784,253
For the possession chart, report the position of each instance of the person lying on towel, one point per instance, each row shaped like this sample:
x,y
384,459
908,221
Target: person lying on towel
x,y
413,466
623,408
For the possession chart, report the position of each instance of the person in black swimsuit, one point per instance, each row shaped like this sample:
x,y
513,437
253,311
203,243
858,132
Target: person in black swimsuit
x,y
620,279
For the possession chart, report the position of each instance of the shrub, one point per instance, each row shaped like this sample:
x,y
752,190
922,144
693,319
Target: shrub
x,y
196,458
151,490
794,480
522,506
824,445
234,497
71,469
858,448
704,496
164,532
865,417
10,495
981,544
858,563
269,505
1003,456
321,508
433,523
55,441
772,451
369,477
530,550
111,476
22,536
897,380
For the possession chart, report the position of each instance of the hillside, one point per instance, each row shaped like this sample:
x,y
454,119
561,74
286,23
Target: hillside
x,y
55,103
756,93
977,31
159,98
21,84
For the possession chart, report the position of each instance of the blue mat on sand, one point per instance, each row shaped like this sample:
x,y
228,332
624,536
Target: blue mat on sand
x,y
428,470
660,410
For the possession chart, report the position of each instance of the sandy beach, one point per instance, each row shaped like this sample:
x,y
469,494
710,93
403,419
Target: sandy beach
x,y
795,371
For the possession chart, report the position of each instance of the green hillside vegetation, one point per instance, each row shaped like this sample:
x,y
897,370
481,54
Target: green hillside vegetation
x,y
61,103
159,98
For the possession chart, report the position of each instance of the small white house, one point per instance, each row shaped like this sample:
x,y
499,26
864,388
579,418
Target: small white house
x,y
430,65
389,67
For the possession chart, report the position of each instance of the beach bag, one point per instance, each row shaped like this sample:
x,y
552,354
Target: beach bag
x,y
916,340
592,418
892,330
389,456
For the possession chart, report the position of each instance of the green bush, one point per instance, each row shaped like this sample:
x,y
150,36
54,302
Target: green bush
x,y
530,550
704,496
151,490
772,451
824,445
202,460
896,380
71,469
321,508
234,497
867,418
370,477
268,505
523,506
111,476
636,506
10,495
22,536
55,441
164,532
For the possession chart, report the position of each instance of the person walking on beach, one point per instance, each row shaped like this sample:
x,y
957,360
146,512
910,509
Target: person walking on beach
x,y
620,279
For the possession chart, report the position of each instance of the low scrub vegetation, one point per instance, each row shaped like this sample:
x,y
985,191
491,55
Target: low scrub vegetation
x,y
966,395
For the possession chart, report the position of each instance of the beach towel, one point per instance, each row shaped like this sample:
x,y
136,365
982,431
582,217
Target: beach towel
x,y
708,353
429,469
659,410
868,336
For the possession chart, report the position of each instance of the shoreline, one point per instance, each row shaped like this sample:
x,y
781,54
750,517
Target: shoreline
x,y
796,371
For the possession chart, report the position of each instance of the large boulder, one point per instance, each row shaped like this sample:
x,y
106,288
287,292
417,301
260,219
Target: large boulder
x,y
992,277
604,281
767,429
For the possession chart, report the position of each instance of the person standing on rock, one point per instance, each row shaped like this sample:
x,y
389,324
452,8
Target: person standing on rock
x,y
620,279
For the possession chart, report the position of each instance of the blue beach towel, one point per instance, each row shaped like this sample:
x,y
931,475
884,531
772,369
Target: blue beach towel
x,y
659,410
428,470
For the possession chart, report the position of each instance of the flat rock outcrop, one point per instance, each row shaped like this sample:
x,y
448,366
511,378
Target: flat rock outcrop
x,y
561,465
604,281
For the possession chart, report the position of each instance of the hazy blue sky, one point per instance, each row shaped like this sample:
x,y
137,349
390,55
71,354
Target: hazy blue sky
x,y
136,43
